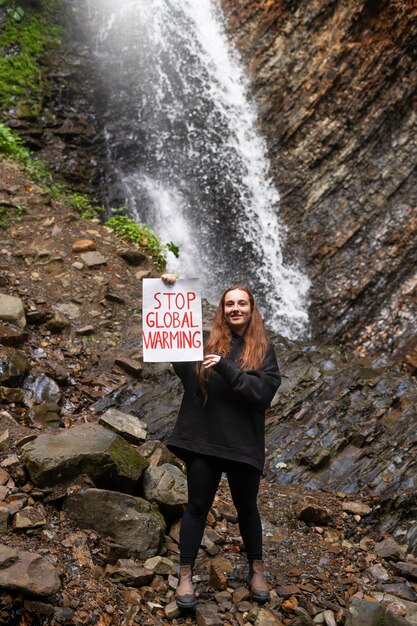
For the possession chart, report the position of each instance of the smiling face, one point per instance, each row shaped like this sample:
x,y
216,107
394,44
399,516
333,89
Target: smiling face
x,y
237,310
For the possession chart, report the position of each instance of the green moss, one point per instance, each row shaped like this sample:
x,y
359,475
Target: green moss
x,y
21,47
128,460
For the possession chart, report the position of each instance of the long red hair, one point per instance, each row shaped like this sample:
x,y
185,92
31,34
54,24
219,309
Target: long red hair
x,y
220,338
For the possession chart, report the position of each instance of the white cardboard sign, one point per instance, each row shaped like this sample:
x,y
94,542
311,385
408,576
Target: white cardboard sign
x,y
172,321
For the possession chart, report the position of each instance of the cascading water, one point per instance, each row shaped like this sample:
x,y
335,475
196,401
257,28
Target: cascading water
x,y
183,150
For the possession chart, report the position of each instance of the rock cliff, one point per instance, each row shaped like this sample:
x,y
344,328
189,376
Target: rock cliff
x,y
336,87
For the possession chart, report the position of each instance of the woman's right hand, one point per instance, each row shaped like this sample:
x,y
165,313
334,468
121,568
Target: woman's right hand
x,y
169,279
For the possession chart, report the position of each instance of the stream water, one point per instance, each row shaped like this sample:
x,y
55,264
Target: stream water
x,y
183,148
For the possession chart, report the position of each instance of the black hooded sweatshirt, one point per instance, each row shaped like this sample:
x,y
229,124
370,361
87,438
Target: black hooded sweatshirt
x,y
231,425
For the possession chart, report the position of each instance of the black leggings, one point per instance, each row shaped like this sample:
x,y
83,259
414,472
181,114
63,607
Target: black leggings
x,y
203,477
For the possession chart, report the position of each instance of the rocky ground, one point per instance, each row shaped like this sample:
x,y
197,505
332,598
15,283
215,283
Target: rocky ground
x,y
328,561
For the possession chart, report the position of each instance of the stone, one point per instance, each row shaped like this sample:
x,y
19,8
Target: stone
x,y
209,545
132,522
390,550
4,520
142,274
12,310
58,322
218,578
132,256
408,570
366,613
27,572
114,297
40,388
40,608
127,426
11,394
311,512
265,617
239,594
11,335
329,618
401,590
10,462
356,508
93,259
37,317
131,366
4,476
208,615
157,454
4,492
129,573
172,611
69,310
29,517
167,486
86,330
4,441
84,245
63,614
89,449
378,572
288,590
13,366
46,414
160,565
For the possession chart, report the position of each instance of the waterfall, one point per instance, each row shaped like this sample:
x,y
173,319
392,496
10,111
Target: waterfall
x,y
184,152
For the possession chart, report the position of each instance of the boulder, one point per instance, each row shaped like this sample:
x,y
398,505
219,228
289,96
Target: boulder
x,y
90,449
12,310
167,486
27,572
127,426
366,613
132,522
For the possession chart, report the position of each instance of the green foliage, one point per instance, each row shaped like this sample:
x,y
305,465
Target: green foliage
x,y
142,236
23,39
12,146
82,204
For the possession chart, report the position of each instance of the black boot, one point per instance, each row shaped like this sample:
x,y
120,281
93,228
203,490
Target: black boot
x,y
257,583
184,594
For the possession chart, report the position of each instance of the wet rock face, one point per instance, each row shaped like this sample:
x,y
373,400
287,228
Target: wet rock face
x,y
336,87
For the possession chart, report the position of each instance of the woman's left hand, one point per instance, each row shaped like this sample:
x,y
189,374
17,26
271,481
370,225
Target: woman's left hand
x,y
210,360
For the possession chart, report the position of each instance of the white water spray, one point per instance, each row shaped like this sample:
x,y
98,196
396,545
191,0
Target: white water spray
x,y
185,152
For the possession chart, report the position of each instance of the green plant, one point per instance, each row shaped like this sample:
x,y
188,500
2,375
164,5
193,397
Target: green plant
x,y
12,146
142,236
16,13
80,202
23,39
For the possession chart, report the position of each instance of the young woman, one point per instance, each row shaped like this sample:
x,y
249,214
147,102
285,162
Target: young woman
x,y
220,428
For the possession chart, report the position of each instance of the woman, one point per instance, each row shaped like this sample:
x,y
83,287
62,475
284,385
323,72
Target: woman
x,y
220,428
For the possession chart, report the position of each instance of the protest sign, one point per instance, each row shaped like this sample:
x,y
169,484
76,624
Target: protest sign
x,y
172,321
